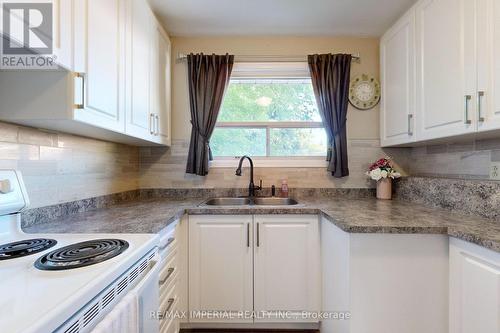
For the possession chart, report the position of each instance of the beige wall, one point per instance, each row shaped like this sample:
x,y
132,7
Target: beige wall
x,y
59,167
164,167
361,124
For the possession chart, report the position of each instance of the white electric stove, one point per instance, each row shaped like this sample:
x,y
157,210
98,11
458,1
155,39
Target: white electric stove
x,y
46,287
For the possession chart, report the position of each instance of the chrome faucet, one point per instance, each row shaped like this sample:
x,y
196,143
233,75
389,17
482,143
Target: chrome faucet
x,y
251,187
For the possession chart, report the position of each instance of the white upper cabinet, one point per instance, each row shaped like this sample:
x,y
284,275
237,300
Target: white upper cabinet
x,y
114,82
163,87
287,265
140,120
63,33
457,63
397,54
488,65
100,62
160,85
445,67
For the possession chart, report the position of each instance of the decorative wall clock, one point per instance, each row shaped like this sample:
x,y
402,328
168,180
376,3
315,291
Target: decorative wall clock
x,y
364,92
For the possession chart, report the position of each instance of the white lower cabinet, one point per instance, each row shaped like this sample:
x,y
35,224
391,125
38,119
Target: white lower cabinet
x,y
220,265
384,283
474,288
286,266
262,263
172,278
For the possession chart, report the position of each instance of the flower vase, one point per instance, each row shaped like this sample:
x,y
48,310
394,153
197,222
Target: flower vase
x,y
384,189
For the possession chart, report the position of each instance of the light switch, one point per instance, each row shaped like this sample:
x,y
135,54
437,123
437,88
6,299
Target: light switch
x,y
5,186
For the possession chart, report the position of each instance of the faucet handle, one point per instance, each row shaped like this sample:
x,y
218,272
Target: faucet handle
x,y
260,184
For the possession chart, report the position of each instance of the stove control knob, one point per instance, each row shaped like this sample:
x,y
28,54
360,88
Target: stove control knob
x,y
5,186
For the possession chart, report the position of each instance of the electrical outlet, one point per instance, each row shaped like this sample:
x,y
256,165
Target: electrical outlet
x,y
495,170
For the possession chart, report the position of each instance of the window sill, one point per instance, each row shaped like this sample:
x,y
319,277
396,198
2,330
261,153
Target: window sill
x,y
271,162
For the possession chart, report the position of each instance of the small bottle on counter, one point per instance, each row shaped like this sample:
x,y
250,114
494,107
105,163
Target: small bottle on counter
x,y
273,191
284,188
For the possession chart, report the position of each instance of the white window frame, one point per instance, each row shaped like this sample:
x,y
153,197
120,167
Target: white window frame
x,y
263,71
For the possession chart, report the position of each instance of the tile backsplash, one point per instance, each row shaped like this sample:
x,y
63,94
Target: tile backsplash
x,y
163,167
462,160
59,167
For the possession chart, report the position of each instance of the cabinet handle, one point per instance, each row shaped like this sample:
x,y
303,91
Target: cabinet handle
x,y
151,124
81,105
480,95
410,117
467,120
157,124
248,234
258,235
169,274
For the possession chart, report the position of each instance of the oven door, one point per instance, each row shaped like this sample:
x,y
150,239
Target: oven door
x,y
148,296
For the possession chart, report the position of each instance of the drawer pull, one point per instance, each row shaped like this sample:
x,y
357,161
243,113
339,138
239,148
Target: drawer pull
x,y
170,240
169,274
170,303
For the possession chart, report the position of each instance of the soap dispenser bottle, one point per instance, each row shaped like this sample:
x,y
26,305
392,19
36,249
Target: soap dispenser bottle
x,y
284,188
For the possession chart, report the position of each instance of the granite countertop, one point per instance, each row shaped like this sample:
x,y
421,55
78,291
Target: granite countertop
x,y
351,215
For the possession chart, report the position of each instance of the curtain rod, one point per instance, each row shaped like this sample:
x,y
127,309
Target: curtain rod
x,y
271,58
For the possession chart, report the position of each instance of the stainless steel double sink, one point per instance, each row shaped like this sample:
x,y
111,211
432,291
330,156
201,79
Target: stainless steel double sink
x,y
247,201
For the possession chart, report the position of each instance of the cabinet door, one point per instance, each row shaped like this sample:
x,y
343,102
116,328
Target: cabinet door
x,y
488,62
139,117
63,33
99,56
474,289
164,70
220,265
286,271
397,49
154,81
446,67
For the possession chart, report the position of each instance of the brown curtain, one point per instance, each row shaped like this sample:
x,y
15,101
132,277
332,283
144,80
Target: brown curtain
x,y
330,75
208,77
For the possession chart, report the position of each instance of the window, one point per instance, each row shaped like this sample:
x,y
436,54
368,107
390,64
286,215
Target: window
x,y
269,117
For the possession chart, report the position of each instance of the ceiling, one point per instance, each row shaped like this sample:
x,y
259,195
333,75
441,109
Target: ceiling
x,y
278,17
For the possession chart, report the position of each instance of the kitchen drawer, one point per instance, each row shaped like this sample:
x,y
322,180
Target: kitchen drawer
x,y
168,231
169,252
171,283
169,270
171,326
169,303
168,239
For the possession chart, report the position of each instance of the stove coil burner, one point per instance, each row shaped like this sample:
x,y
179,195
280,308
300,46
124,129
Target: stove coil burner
x,y
25,247
81,254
